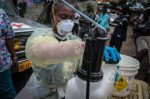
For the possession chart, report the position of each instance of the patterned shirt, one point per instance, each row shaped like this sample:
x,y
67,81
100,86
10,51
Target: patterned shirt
x,y
6,32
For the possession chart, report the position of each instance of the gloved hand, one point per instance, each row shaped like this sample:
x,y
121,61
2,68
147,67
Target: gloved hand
x,y
111,53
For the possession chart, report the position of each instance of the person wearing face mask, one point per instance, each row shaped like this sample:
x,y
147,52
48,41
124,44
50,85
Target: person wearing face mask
x,y
55,54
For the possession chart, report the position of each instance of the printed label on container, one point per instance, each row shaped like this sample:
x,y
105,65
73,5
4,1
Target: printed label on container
x,y
121,84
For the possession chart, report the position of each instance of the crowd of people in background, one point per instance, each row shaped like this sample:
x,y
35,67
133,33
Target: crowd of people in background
x,y
82,27
102,17
141,28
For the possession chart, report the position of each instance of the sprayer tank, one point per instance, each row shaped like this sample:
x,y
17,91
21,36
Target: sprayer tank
x,y
76,87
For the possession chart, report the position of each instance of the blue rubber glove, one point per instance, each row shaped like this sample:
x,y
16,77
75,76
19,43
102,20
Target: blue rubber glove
x,y
111,52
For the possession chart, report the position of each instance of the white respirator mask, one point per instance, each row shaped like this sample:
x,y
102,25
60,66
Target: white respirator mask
x,y
64,27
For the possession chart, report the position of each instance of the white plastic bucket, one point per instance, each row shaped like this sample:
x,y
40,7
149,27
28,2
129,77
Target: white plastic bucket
x,y
127,69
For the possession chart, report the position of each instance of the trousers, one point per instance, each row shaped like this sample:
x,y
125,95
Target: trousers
x,y
7,90
116,42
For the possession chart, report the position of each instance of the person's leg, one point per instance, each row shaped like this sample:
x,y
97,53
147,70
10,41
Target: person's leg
x,y
118,44
7,90
76,28
73,30
111,44
82,33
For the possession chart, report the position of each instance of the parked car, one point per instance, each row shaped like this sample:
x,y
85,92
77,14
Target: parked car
x,y
23,28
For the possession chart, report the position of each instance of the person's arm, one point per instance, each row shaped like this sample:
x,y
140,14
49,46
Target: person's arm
x,y
10,47
52,50
47,50
9,38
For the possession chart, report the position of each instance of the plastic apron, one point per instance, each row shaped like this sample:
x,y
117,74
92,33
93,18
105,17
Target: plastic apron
x,y
49,75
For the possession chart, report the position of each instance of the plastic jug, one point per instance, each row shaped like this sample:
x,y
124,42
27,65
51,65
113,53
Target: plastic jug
x,y
76,89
